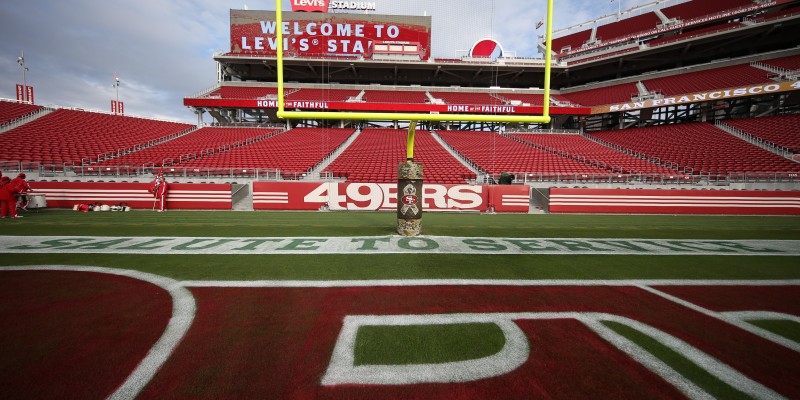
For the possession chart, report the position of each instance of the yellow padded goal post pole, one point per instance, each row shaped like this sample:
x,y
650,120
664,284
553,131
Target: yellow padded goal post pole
x,y
541,119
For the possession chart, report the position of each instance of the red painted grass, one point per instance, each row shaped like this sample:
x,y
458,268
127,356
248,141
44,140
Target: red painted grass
x,y
75,335
276,343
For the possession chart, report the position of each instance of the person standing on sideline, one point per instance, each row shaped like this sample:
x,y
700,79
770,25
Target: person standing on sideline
x,y
8,204
161,190
20,188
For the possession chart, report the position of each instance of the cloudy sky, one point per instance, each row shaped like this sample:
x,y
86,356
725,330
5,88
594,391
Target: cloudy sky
x,y
162,50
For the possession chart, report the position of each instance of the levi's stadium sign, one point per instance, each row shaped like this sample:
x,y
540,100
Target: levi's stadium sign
x,y
324,5
307,34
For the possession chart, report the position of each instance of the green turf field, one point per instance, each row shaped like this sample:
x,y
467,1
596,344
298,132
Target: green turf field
x,y
431,343
415,266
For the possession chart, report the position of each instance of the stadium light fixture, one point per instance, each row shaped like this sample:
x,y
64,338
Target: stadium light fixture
x,y
116,85
21,62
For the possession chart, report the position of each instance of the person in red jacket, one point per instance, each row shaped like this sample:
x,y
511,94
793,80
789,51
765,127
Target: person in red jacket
x,y
20,188
161,190
8,204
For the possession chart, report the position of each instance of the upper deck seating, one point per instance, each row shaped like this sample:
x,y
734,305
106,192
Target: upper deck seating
x,y
628,26
69,136
573,40
531,98
620,93
395,96
593,151
239,92
791,63
467,98
699,146
700,8
10,110
687,34
306,94
496,154
375,155
782,130
710,79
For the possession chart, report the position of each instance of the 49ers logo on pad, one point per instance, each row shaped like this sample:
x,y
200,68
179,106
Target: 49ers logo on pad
x,y
310,5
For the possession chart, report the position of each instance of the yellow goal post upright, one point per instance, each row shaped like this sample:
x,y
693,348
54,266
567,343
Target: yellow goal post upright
x,y
413,117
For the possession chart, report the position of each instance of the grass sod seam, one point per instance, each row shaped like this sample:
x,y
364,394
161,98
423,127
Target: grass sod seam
x,y
680,364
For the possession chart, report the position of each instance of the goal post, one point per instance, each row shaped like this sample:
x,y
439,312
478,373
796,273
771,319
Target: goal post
x,y
410,174
389,116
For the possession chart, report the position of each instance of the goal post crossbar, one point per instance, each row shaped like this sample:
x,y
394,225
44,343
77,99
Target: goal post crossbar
x,y
542,119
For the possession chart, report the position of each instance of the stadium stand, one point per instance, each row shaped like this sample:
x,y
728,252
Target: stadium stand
x,y
791,63
495,154
243,92
532,99
577,145
376,153
395,96
190,146
467,98
628,27
710,79
782,130
306,94
293,152
693,33
701,8
603,95
72,137
572,41
699,146
11,110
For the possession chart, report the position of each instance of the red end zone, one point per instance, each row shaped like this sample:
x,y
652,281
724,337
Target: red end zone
x,y
77,334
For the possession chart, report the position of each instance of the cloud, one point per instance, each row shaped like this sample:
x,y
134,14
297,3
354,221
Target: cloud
x,y
162,50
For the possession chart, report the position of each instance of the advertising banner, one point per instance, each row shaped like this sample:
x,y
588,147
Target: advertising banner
x,y
29,89
338,196
722,94
313,34
391,107
188,196
20,93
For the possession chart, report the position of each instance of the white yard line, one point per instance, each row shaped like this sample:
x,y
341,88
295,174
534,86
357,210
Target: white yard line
x,y
183,312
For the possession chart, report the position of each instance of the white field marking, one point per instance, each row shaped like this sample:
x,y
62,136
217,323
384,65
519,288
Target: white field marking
x,y
715,367
486,282
368,245
761,316
183,312
342,368
731,318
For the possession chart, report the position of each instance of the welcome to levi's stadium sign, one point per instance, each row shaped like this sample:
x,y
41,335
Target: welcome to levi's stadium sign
x,y
307,34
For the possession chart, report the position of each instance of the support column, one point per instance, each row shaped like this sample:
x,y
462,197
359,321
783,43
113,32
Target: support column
x,y
409,199
409,191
